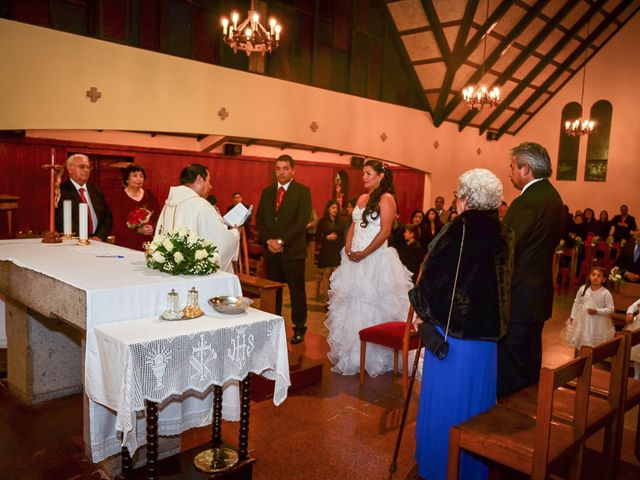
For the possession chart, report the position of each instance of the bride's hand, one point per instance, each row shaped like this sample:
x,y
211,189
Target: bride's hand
x,y
356,256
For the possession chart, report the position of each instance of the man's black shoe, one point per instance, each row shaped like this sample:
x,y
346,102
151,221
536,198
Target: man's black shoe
x,y
297,338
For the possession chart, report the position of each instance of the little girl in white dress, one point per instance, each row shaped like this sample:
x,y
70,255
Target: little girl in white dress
x,y
633,320
590,323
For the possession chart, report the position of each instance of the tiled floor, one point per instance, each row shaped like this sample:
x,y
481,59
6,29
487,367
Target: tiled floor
x,y
332,430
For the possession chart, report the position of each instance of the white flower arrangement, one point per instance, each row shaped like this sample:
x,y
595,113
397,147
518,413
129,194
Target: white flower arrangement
x,y
182,252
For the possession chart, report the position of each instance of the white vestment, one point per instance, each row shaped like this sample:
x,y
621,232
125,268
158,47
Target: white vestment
x,y
185,208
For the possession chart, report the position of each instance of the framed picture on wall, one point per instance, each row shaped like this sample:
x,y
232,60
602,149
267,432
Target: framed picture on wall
x,y
595,171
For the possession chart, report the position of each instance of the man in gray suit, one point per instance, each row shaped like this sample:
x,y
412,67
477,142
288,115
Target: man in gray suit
x,y
537,220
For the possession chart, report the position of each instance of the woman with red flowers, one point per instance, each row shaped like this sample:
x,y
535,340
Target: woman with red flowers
x,y
135,210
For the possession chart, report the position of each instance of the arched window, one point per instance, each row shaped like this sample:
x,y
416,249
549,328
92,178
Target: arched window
x,y
598,143
569,146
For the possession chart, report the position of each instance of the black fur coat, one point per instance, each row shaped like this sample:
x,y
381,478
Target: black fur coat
x,y
482,299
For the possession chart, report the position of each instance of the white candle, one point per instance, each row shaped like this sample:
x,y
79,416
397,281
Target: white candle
x,y
66,217
83,213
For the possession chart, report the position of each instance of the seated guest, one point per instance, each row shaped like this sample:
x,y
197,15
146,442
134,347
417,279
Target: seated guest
x,y
130,201
186,206
79,191
430,227
603,225
410,251
629,259
330,235
476,249
417,217
590,223
623,224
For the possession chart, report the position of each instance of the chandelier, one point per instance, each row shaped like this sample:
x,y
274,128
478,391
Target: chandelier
x,y
477,96
250,35
580,126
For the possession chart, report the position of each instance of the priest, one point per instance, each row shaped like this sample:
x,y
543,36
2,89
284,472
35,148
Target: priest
x,y
186,206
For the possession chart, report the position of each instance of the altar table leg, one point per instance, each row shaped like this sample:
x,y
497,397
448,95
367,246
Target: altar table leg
x,y
126,463
243,443
152,440
216,425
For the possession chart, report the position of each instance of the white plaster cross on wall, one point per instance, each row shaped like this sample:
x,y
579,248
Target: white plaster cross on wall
x,y
223,114
94,94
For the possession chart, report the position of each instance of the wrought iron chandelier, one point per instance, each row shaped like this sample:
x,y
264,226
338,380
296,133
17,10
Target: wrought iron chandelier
x,y
580,126
477,96
250,35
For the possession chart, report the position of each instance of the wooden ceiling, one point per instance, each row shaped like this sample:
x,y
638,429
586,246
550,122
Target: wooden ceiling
x,y
533,47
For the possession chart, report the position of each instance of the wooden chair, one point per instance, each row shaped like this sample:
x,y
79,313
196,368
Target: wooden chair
x,y
397,335
532,445
564,267
603,410
624,294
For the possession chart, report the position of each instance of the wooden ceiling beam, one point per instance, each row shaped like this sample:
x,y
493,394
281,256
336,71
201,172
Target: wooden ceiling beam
x,y
526,53
469,13
609,19
395,38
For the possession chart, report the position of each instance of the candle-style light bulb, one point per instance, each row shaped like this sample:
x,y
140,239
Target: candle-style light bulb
x,y
225,25
272,25
278,29
248,32
255,18
234,19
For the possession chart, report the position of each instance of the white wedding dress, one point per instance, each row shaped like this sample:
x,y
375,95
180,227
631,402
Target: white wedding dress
x,y
363,294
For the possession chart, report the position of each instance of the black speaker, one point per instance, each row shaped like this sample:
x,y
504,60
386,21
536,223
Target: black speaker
x,y
232,149
357,162
492,136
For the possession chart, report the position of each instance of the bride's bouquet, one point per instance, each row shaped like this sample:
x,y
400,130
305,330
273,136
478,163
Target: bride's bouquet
x,y
182,252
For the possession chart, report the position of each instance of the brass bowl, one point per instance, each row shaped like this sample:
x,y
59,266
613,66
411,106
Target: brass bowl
x,y
230,305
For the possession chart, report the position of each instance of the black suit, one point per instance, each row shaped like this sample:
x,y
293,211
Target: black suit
x,y
625,260
537,220
68,191
288,223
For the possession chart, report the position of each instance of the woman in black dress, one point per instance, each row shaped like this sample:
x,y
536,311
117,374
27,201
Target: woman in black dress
x,y
430,228
330,237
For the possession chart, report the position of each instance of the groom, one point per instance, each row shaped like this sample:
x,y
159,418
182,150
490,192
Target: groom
x,y
283,213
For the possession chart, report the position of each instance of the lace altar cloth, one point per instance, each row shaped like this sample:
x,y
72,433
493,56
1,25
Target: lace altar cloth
x,y
156,360
119,287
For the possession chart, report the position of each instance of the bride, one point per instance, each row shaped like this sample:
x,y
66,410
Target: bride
x,y
370,286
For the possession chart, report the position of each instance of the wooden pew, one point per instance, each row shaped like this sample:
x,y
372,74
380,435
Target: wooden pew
x,y
624,294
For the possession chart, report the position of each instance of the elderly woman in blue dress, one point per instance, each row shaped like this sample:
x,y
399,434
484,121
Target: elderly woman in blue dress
x,y
463,296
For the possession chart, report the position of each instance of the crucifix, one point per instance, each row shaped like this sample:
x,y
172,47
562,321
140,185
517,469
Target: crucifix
x,y
55,175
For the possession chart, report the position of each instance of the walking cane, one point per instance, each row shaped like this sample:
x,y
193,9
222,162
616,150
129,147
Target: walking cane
x,y
393,466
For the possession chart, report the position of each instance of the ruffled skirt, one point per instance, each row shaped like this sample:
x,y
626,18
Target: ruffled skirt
x,y
363,294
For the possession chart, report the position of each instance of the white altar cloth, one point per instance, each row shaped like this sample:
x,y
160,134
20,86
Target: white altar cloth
x,y
120,287
153,359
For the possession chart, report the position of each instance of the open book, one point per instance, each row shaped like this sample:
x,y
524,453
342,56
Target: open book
x,y
237,215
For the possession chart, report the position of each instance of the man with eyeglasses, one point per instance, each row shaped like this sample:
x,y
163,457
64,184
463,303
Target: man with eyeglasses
x,y
79,191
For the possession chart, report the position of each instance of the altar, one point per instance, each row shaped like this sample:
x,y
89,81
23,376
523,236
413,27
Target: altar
x,y
57,294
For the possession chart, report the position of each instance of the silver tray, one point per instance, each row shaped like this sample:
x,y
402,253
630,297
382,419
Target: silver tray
x,y
230,305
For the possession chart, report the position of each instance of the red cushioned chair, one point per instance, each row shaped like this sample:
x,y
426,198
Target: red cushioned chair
x,y
396,335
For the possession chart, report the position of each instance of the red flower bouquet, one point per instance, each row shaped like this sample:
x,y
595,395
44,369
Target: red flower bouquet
x,y
138,218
